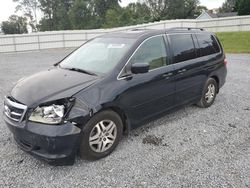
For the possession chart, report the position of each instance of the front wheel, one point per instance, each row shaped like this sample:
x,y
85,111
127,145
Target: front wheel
x,y
101,135
208,94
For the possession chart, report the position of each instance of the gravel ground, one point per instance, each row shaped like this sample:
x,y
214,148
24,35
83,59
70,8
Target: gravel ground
x,y
192,147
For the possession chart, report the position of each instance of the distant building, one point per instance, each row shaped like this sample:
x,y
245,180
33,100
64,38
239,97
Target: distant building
x,y
211,14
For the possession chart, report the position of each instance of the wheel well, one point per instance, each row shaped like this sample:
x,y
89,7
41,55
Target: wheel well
x,y
123,117
217,81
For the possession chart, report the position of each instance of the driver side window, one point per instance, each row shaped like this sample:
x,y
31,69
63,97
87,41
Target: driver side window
x,y
153,52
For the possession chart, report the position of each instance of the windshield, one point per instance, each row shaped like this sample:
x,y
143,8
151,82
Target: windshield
x,y
99,55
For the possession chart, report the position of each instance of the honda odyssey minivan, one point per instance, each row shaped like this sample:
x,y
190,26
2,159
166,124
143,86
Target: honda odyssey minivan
x,y
110,85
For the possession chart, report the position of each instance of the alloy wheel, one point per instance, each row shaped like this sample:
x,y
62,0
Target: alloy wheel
x,y
210,94
102,136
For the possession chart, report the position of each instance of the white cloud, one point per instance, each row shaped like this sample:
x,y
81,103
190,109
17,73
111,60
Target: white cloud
x,y
126,2
210,4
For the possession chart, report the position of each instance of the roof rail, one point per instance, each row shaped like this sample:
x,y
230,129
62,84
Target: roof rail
x,y
186,28
139,29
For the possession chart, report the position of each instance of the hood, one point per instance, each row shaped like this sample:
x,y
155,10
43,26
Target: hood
x,y
50,85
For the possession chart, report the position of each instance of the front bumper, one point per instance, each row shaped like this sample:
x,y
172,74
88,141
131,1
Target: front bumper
x,y
55,144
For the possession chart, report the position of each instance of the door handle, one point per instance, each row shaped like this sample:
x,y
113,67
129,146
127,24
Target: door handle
x,y
167,75
182,70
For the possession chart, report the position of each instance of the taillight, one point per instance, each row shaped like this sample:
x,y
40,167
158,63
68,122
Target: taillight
x,y
225,62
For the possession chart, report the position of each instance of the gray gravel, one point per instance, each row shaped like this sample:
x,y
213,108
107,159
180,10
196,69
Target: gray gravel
x,y
192,147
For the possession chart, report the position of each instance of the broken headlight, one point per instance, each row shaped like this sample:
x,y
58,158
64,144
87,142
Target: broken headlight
x,y
53,112
48,114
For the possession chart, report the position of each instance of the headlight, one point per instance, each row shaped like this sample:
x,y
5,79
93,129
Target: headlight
x,y
52,114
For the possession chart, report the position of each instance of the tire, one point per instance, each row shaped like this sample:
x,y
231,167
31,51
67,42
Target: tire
x,y
207,98
100,137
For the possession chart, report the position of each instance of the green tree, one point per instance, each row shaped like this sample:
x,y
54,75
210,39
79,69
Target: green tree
x,y
113,18
47,7
228,6
182,9
134,13
29,8
199,10
139,12
75,14
81,16
172,9
91,14
100,8
56,14
15,25
243,7
158,8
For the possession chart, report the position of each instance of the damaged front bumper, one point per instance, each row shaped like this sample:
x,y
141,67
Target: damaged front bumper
x,y
56,144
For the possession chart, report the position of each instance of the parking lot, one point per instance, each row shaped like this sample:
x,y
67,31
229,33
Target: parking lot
x,y
191,147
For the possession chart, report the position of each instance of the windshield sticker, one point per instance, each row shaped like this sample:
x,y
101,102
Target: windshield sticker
x,y
116,45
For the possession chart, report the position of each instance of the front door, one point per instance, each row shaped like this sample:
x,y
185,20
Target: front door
x,y
150,93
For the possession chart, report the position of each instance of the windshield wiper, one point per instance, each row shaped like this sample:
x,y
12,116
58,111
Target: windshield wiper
x,y
80,70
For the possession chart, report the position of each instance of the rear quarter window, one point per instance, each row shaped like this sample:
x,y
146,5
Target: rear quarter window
x,y
183,47
208,44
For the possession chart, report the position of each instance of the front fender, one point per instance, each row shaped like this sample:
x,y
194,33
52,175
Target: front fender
x,y
80,113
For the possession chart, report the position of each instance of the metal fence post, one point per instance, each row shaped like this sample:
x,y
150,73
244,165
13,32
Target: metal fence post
x,y
240,25
14,43
86,36
38,40
63,35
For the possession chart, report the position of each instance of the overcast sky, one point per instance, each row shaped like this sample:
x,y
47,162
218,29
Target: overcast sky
x,y
7,7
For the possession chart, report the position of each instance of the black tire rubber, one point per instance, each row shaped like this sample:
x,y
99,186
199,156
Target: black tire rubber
x,y
85,151
203,103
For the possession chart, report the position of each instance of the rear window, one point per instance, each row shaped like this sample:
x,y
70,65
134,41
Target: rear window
x,y
208,44
183,47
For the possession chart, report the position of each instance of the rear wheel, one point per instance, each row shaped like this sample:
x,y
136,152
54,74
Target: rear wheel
x,y
208,94
101,135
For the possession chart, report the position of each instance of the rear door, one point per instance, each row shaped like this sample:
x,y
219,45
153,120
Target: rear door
x,y
209,51
210,55
188,71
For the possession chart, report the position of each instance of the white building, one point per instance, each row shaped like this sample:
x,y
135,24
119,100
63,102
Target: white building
x,y
210,15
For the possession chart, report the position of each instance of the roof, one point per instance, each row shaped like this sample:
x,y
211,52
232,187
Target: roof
x,y
135,33
227,14
211,15
138,33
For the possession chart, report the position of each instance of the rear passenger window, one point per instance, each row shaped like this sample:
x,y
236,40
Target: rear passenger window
x,y
183,47
208,44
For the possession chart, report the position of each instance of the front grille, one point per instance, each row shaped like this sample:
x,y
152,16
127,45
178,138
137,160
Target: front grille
x,y
14,110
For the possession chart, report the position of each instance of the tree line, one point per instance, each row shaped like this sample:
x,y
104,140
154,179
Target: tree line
x,y
240,6
94,14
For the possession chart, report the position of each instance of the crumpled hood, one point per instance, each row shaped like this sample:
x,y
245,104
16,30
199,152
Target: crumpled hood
x,y
50,85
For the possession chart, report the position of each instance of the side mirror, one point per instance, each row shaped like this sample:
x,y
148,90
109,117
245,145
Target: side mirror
x,y
140,68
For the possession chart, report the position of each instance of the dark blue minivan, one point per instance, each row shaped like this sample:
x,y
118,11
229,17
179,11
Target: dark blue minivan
x,y
110,85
